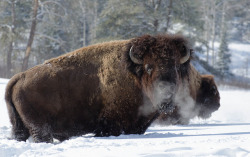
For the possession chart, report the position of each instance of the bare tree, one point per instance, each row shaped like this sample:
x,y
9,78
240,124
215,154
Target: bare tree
x,y
213,11
31,36
12,34
169,12
155,6
83,7
207,26
95,19
223,18
247,66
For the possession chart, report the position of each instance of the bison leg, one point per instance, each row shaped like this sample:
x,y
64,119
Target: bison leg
x,y
142,124
19,131
41,134
33,124
108,127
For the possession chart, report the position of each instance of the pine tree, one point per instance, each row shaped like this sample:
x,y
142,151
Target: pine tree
x,y
224,57
121,20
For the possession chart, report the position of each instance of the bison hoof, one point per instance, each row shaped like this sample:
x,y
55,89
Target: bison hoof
x,y
46,139
20,135
42,136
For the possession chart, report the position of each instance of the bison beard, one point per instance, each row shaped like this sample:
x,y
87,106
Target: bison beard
x,y
106,89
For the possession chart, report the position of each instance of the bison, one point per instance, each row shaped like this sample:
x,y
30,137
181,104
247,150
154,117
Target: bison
x,y
112,88
207,101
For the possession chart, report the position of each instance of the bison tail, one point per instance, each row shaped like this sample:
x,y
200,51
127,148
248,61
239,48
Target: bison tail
x,y
19,130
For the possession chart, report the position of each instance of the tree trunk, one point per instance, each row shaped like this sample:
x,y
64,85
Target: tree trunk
x,y
170,7
206,27
223,23
31,36
156,25
156,4
10,51
247,67
84,36
213,31
9,64
84,22
95,20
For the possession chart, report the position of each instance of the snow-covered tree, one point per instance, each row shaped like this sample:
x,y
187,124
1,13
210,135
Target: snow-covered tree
x,y
224,56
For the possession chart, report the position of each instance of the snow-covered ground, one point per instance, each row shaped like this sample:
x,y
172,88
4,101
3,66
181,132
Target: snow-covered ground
x,y
226,134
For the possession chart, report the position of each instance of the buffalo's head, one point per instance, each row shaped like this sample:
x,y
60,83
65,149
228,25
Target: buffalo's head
x,y
208,97
159,64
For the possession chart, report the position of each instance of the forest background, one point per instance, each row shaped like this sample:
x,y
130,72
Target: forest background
x,y
32,31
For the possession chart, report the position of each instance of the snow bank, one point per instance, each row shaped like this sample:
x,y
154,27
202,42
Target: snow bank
x,y
4,121
235,108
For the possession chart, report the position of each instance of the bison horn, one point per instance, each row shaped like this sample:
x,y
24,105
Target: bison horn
x,y
133,58
185,58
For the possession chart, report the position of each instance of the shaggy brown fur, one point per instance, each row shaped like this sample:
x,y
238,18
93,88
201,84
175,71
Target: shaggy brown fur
x,y
208,97
207,101
98,89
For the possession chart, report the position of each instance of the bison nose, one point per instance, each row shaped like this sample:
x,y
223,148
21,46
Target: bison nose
x,y
168,95
165,91
166,87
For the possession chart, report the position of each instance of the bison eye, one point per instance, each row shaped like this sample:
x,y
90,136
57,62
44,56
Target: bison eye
x,y
148,68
